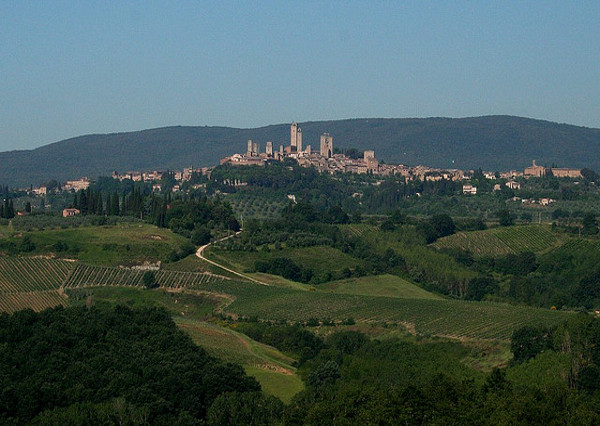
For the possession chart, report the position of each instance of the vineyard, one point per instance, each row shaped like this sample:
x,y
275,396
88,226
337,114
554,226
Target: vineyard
x,y
27,274
501,241
453,318
37,300
31,282
379,285
95,276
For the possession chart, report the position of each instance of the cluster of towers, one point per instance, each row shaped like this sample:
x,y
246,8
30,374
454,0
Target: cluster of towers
x,y
295,148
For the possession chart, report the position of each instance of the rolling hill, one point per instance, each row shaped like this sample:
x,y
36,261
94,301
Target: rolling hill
x,y
491,142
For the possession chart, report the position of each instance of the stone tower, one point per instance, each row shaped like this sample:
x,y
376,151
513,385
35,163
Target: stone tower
x,y
295,138
299,141
269,148
293,134
326,145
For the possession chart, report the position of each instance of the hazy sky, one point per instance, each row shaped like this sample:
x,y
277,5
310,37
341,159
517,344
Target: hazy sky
x,y
73,68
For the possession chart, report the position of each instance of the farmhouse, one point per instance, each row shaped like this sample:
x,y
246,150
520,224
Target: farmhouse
x,y
70,212
469,189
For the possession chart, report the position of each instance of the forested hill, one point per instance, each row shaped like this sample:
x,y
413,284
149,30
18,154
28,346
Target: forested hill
x,y
492,142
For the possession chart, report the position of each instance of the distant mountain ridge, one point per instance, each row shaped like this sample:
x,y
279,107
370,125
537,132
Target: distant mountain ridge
x,y
490,142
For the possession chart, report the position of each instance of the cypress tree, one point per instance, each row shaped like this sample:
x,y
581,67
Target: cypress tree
x,y
115,205
99,206
91,197
83,202
11,210
109,205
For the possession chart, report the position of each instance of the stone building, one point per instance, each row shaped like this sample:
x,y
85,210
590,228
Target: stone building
x,y
295,138
535,170
568,173
326,145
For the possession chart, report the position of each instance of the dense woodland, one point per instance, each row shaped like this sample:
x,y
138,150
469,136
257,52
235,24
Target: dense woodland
x,y
107,365
116,365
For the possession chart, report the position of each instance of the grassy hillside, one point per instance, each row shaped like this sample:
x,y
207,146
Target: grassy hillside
x,y
395,304
379,285
444,317
423,263
502,241
270,367
321,259
441,142
122,244
38,283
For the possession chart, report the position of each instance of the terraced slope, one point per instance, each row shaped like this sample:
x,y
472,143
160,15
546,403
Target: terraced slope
x,y
501,241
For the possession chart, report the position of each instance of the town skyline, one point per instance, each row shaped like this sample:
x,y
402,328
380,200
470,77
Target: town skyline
x,y
71,70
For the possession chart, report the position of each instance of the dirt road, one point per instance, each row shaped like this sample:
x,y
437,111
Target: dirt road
x,y
200,254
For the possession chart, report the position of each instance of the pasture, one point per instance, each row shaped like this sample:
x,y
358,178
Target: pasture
x,y
121,244
270,367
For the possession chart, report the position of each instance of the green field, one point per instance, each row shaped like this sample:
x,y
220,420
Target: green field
x,y
94,276
379,285
443,317
37,300
422,261
502,241
321,259
122,244
188,304
270,367
396,303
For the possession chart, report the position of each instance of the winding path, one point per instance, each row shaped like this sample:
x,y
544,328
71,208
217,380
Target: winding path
x,y
200,254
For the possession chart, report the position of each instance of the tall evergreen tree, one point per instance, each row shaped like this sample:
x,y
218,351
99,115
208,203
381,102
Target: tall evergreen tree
x,y
99,206
115,204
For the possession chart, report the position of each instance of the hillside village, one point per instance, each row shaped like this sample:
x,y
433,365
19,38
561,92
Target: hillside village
x,y
325,160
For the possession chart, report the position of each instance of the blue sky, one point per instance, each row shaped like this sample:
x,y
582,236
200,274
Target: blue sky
x,y
73,68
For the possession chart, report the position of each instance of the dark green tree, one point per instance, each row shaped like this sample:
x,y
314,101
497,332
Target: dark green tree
x,y
589,224
505,217
149,280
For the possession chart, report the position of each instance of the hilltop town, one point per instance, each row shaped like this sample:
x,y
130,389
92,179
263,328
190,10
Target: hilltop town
x,y
325,160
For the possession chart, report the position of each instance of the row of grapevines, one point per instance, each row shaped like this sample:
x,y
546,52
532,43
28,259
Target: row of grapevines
x,y
18,274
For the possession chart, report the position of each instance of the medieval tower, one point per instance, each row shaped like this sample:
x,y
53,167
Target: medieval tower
x,y
326,145
295,137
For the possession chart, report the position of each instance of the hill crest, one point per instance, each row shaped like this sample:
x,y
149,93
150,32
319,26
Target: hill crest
x,y
498,142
